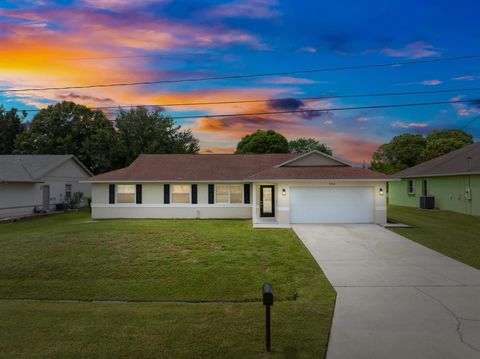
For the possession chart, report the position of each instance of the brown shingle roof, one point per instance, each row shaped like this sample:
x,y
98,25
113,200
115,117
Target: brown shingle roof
x,y
206,167
463,160
315,172
211,167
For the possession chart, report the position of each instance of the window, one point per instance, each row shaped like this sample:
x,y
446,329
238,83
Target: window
x,y
411,186
225,193
180,193
221,193
236,193
125,193
68,192
425,187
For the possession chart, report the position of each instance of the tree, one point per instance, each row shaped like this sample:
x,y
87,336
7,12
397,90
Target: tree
x,y
143,131
304,145
408,150
69,128
442,142
10,127
401,152
263,142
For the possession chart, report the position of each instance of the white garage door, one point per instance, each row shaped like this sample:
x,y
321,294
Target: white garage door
x,y
331,205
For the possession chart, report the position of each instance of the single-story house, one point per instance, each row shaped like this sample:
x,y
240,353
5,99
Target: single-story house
x,y
272,189
453,180
37,183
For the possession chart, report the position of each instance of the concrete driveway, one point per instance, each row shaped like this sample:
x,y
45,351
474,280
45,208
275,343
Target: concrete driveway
x,y
395,298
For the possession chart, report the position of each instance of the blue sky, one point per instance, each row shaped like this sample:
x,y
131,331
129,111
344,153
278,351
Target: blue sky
x,y
61,43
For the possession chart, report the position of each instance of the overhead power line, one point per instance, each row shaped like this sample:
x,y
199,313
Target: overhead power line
x,y
470,122
323,97
244,76
323,110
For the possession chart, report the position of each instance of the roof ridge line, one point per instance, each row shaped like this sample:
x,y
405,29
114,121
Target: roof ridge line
x,y
26,169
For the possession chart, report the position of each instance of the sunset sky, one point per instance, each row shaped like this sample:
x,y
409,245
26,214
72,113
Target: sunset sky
x,y
61,43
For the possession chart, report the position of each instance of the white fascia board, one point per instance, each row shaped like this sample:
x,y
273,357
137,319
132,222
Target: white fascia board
x,y
167,181
252,181
442,175
326,180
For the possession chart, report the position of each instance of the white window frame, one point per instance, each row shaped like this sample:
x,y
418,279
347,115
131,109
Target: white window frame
x,y
189,194
408,187
134,193
229,193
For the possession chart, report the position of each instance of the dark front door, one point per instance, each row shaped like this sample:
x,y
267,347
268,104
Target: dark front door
x,y
267,201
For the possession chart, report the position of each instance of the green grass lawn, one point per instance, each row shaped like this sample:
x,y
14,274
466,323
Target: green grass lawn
x,y
69,257
453,234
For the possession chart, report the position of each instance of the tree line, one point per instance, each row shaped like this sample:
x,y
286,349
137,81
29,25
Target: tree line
x,y
103,145
99,143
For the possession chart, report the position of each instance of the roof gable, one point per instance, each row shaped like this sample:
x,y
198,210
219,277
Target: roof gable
x,y
314,158
32,168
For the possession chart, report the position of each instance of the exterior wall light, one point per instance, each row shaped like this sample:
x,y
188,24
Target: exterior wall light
x,y
380,191
284,192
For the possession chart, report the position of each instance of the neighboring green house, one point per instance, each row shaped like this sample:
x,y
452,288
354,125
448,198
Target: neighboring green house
x,y
453,180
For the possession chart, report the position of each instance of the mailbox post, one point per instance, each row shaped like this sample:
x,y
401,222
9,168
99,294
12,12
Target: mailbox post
x,y
267,302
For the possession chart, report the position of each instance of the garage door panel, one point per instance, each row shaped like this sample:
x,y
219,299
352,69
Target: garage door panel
x,y
331,205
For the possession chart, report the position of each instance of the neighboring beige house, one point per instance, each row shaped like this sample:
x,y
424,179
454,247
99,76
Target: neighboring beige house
x,y
30,183
272,189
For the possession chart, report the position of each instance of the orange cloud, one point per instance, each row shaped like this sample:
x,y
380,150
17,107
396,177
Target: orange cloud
x,y
217,149
83,47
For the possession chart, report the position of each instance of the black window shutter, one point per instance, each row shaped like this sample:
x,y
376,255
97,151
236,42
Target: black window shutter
x,y
139,193
211,194
246,193
111,194
166,193
194,194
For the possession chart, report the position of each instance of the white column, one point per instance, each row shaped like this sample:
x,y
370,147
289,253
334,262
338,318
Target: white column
x,y
254,203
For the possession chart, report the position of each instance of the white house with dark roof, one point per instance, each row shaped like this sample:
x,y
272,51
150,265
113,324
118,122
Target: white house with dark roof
x,y
30,183
271,189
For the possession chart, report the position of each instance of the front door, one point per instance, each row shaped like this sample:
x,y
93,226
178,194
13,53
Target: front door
x,y
267,201
46,198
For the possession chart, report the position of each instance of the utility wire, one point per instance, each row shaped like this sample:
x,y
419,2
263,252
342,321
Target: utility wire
x,y
323,110
244,76
324,97
470,122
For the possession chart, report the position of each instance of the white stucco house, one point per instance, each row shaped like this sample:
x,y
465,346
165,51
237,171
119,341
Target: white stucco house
x,y
274,190
30,183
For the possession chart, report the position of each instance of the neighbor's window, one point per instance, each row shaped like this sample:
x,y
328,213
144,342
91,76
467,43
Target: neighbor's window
x,y
411,186
236,193
221,193
425,187
125,193
68,192
225,193
181,193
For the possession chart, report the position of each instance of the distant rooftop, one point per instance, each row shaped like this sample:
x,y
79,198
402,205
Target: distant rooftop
x,y
462,161
29,168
